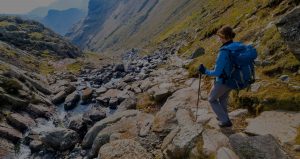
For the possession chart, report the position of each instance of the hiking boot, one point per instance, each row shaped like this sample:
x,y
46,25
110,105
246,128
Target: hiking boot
x,y
225,125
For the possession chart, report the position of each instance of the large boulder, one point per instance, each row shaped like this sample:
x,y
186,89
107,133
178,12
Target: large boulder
x,y
79,125
264,147
213,140
10,133
282,125
87,95
122,149
20,122
39,110
289,29
72,101
60,139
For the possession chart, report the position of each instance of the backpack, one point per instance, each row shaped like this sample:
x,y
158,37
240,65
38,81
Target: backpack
x,y
242,73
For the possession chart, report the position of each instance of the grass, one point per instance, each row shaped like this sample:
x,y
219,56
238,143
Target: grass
x,y
36,36
5,23
45,68
75,67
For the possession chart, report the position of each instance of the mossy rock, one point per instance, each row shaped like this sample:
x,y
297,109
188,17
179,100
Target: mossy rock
x,y
11,86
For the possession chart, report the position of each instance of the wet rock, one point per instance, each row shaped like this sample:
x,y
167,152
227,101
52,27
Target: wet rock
x,y
289,28
72,101
86,95
213,140
265,147
60,139
120,149
10,133
94,115
59,97
39,111
226,153
20,122
281,125
35,146
77,124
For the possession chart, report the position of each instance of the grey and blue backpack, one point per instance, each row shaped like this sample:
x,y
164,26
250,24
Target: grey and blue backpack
x,y
242,73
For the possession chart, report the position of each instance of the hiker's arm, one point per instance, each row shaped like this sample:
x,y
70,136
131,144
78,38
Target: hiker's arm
x,y
220,64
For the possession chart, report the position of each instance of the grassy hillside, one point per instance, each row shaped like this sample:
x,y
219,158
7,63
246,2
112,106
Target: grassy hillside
x,y
254,22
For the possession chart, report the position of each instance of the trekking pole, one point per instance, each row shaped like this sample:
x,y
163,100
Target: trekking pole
x,y
199,95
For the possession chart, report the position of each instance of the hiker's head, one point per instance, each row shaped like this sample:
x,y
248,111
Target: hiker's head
x,y
225,34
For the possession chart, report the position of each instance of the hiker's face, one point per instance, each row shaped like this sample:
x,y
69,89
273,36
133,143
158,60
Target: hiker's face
x,y
221,39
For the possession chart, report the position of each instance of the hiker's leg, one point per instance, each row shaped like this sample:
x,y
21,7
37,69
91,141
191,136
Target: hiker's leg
x,y
224,100
216,92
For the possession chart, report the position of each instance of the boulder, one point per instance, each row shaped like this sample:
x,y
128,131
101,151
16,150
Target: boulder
x,y
10,133
6,149
39,111
264,146
93,115
87,95
213,140
129,103
60,139
113,103
121,149
72,101
289,28
79,125
198,52
93,132
119,68
282,125
237,113
35,146
13,101
226,153
20,122
101,90
59,97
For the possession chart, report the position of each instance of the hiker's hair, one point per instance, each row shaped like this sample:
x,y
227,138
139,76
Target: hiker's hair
x,y
226,32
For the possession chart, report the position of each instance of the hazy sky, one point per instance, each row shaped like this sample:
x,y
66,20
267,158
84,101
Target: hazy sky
x,y
21,6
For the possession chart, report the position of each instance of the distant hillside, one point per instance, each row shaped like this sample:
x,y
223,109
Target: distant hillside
x,y
59,5
62,21
33,37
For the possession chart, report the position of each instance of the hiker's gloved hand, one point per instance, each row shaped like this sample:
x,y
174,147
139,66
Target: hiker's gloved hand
x,y
202,69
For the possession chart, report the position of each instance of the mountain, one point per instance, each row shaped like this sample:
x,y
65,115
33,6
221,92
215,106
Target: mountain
x,y
123,24
33,37
59,5
62,21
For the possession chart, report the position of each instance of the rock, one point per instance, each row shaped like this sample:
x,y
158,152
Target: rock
x,y
165,119
93,115
237,113
119,68
6,149
10,133
213,140
77,124
198,52
161,95
72,101
129,103
101,90
39,111
121,149
92,133
284,78
60,139
265,147
288,26
13,101
86,95
20,122
183,142
281,125
255,87
59,97
296,148
113,103
35,146
226,153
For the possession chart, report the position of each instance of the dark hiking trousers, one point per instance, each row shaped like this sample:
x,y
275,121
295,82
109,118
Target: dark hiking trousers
x,y
218,100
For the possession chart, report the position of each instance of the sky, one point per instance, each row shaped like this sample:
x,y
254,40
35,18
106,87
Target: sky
x,y
21,6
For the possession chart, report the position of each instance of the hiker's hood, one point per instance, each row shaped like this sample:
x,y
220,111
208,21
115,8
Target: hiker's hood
x,y
234,46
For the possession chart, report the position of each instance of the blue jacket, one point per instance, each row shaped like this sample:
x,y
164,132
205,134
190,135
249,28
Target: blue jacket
x,y
223,64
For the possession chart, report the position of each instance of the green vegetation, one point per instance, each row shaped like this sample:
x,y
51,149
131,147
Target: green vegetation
x,y
75,67
11,86
5,23
36,36
45,68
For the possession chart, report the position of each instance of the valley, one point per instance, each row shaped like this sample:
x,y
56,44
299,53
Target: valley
x,y
123,83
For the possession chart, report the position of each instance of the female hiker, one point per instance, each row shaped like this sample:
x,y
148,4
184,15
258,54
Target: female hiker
x,y
218,97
